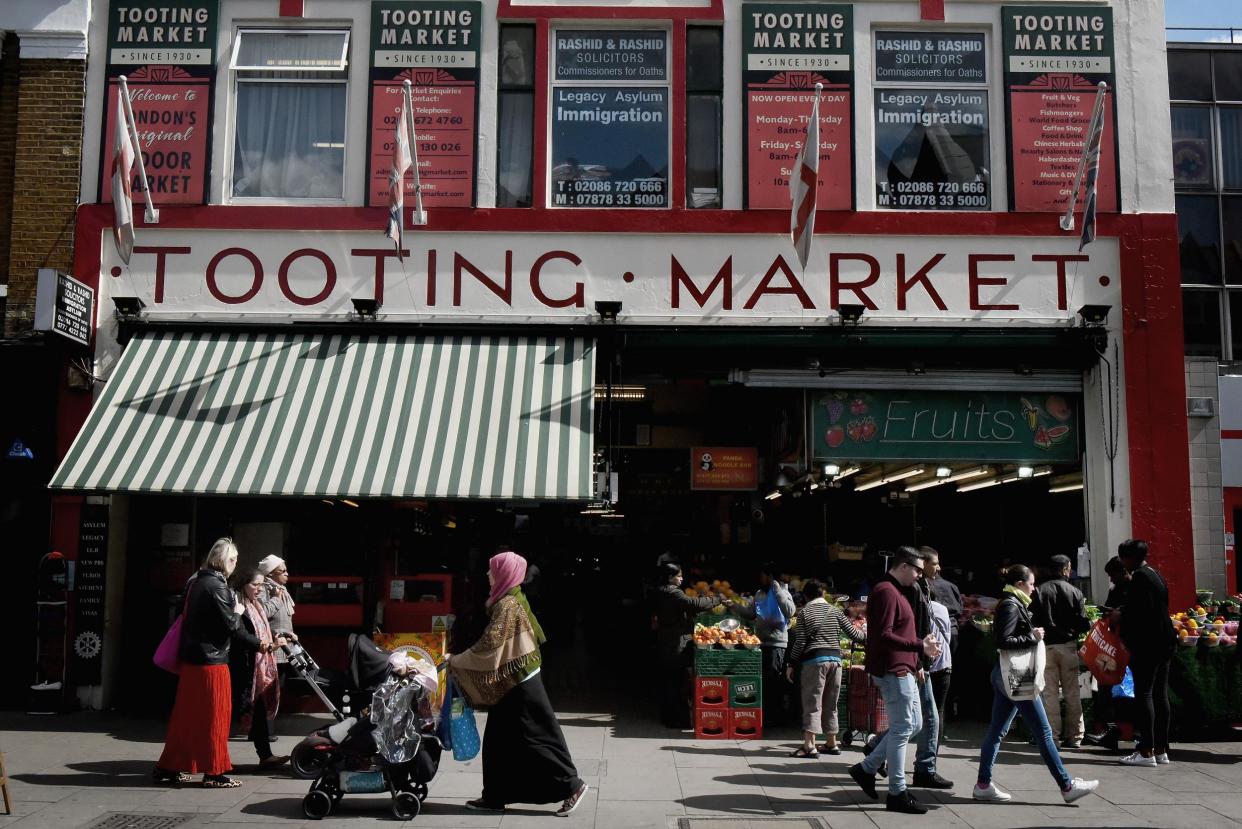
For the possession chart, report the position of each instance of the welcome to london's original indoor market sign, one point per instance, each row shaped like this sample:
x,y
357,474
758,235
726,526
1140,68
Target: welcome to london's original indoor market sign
x,y
659,278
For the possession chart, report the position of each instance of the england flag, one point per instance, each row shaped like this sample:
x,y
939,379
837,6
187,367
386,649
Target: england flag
x,y
804,187
122,178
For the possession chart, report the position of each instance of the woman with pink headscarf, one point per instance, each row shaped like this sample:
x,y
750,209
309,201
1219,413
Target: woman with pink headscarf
x,y
525,759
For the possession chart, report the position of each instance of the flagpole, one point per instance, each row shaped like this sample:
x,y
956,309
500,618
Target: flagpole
x,y
150,215
1067,221
420,215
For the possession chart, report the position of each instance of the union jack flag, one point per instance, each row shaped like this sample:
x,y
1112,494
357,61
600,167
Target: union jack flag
x,y
1092,160
401,162
803,187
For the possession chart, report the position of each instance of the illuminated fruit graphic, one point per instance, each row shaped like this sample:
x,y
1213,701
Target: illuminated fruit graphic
x,y
868,429
854,429
858,406
1031,414
835,409
1057,434
1042,441
834,437
1058,408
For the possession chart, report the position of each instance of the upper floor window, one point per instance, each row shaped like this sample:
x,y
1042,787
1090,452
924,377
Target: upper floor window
x,y
610,118
289,113
516,128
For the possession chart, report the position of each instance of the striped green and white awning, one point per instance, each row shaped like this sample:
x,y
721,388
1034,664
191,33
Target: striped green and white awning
x,y
342,415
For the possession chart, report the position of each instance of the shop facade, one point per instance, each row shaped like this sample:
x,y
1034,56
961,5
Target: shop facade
x,y
606,285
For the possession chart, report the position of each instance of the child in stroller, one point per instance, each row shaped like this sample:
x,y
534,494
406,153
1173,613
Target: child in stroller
x,y
389,747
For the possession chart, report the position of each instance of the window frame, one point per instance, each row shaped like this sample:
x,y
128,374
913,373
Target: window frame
x,y
665,27
236,77
718,92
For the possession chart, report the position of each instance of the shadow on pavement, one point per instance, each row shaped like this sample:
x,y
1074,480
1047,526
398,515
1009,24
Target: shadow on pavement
x,y
114,774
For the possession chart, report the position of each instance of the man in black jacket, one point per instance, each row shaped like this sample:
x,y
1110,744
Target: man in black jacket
x,y
1148,635
1060,609
944,591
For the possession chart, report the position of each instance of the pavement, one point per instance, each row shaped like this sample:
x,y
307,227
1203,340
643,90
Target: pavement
x,y
85,769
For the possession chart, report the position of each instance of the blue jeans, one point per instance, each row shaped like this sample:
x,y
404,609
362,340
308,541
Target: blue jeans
x,y
928,743
905,719
1032,711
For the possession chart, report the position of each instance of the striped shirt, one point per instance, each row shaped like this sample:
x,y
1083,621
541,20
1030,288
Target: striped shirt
x,y
818,632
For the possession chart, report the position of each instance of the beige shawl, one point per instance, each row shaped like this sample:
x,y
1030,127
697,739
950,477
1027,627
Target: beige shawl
x,y
506,653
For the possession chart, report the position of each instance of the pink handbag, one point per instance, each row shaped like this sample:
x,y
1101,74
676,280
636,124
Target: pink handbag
x,y
168,654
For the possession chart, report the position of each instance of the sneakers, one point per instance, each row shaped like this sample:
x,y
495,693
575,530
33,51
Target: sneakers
x,y
865,781
571,802
481,805
991,793
904,803
923,780
1137,759
1162,759
1072,744
1079,789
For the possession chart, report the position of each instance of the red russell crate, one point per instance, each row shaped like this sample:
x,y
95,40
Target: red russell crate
x,y
711,692
711,723
746,723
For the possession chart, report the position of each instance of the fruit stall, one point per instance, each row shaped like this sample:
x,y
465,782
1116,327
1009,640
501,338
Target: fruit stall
x,y
728,680
1205,679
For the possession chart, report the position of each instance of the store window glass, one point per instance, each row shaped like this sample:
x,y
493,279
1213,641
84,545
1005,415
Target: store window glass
x,y
1192,146
1228,71
1231,226
1230,146
704,96
932,149
1198,231
515,142
1235,323
1201,323
610,118
1190,75
289,120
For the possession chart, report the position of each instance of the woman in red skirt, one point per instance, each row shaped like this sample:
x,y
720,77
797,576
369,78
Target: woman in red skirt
x,y
198,732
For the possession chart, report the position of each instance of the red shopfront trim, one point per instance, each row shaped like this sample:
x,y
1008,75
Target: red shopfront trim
x,y
1233,504
509,10
1151,314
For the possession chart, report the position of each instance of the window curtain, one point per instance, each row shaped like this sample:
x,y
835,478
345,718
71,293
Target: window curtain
x,y
516,139
1231,146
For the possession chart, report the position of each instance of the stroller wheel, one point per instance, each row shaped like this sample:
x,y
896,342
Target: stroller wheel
x,y
405,806
317,804
420,791
310,757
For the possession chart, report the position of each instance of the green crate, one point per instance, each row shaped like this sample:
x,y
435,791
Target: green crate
x,y
710,619
727,662
745,691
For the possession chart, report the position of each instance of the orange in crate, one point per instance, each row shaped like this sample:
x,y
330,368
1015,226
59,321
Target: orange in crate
x,y
746,723
711,692
711,724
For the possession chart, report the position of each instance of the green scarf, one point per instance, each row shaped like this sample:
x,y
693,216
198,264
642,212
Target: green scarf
x,y
530,614
1021,594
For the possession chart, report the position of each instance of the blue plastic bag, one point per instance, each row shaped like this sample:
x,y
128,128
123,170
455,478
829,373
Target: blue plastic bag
x,y
769,609
1126,689
458,730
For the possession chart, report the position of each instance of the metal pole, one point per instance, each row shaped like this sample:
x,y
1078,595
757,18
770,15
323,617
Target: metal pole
x,y
420,215
150,214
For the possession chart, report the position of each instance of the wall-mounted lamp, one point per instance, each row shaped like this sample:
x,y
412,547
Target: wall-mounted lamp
x,y
831,469
1094,314
365,309
851,314
128,307
608,309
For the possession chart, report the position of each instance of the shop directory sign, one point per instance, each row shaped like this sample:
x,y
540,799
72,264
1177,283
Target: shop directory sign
x,y
167,51
1034,427
435,46
787,49
932,150
610,119
1054,57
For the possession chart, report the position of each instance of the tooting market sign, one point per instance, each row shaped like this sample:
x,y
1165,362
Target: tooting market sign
x,y
658,278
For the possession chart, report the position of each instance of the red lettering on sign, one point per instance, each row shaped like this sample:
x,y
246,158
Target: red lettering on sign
x,y
431,278
919,278
976,280
161,254
1061,259
256,283
723,279
795,287
575,300
461,263
836,285
329,273
380,254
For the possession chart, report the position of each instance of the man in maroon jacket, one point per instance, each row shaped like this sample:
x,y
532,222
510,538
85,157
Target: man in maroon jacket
x,y
893,650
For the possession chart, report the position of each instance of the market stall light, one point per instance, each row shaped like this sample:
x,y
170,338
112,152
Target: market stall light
x,y
773,495
1026,471
847,471
621,393
928,484
349,503
981,484
832,469
1066,488
888,478
973,472
944,471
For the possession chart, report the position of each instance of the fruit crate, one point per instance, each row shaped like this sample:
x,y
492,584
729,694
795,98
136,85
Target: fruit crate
x,y
711,723
746,723
711,692
727,661
745,691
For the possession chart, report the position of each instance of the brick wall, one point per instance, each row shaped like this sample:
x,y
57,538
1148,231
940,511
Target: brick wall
x,y
9,67
1206,493
46,164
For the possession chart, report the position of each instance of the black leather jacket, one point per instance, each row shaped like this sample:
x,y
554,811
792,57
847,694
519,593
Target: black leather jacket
x,y
210,622
1013,625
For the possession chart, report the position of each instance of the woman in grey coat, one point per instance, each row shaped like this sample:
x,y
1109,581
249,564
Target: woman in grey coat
x,y
277,603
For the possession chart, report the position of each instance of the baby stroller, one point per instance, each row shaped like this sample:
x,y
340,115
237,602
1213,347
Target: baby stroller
x,y
390,747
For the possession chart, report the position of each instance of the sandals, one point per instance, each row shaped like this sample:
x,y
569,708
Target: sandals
x,y
802,752
163,777
219,781
827,749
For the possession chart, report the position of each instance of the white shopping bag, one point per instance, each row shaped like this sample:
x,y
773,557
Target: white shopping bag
x,y
1022,672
